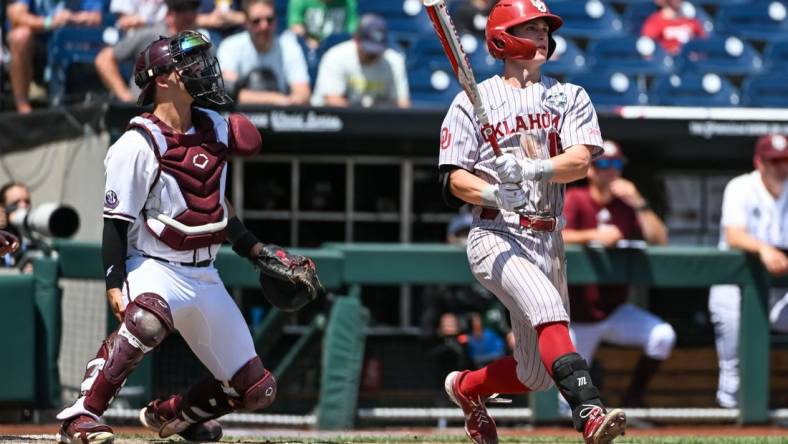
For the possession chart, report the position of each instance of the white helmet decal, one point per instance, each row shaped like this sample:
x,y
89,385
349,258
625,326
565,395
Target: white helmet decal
x,y
539,4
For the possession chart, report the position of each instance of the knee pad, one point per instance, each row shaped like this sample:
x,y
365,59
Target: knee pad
x,y
146,323
660,342
252,387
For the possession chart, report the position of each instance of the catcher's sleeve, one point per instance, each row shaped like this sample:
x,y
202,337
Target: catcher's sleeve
x,y
113,251
240,237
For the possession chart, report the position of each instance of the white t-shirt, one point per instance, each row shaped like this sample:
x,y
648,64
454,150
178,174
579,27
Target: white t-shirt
x,y
285,60
342,74
747,203
152,10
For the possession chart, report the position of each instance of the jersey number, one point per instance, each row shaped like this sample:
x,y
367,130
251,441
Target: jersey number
x,y
555,143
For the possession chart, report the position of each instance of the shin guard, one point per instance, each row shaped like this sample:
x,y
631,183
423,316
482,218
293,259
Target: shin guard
x,y
572,377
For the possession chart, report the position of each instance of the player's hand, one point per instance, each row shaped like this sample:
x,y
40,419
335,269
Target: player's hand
x,y
608,235
115,299
508,168
626,191
510,196
774,260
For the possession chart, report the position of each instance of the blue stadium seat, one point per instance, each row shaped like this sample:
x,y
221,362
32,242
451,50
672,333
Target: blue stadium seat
x,y
756,20
406,19
776,56
567,59
636,14
432,87
629,55
723,2
611,89
70,50
721,55
588,19
692,89
770,91
280,6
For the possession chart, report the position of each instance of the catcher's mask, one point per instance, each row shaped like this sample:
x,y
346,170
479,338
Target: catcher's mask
x,y
188,54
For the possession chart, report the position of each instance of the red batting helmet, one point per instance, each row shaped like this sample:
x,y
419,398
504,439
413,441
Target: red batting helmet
x,y
509,13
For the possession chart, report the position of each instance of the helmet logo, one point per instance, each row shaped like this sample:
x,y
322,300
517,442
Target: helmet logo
x,y
539,4
200,161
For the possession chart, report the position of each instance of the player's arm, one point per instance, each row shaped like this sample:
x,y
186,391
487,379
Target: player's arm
x,y
244,243
469,188
571,165
775,261
107,68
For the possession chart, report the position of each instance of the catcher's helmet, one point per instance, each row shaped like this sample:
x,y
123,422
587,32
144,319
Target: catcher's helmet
x,y
188,53
509,13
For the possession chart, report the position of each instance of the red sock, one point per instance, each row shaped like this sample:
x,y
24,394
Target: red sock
x,y
554,342
499,376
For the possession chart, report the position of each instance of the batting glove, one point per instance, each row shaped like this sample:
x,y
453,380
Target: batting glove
x,y
508,168
507,196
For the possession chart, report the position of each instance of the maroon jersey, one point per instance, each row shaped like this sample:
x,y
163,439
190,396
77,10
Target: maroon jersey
x,y
591,303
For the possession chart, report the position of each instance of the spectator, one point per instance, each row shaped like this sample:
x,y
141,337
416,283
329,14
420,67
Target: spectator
x,y
608,210
363,71
754,219
670,28
221,18
484,344
14,196
261,67
315,20
470,17
32,23
134,14
181,16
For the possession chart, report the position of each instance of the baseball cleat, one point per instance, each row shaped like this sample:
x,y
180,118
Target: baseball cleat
x,y
603,427
209,430
83,429
479,425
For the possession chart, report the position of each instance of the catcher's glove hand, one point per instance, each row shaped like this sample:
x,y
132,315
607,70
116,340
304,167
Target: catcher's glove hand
x,y
289,281
8,243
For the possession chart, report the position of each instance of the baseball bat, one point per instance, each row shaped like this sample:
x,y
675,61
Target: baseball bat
x,y
447,33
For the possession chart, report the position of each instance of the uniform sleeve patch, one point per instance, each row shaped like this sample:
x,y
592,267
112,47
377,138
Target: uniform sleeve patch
x,y
111,200
445,138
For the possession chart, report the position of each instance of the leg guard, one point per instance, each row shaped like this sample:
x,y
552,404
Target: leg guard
x,y
145,325
571,376
252,387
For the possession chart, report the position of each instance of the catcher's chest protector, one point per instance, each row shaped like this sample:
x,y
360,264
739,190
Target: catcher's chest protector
x,y
195,164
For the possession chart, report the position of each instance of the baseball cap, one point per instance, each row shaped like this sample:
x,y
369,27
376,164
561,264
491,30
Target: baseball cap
x,y
182,5
772,146
372,34
458,223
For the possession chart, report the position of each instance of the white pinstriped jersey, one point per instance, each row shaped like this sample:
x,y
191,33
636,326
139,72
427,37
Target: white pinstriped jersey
x,y
534,116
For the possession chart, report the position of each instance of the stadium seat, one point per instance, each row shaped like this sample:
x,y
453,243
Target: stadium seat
x,y
770,91
636,14
693,89
756,20
567,59
432,87
73,50
723,2
406,19
611,89
776,56
280,6
588,19
721,55
629,55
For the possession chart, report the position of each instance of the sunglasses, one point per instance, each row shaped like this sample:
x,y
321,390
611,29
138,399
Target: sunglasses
x,y
609,163
269,19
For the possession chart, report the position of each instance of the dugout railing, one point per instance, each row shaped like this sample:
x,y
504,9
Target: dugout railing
x,y
349,266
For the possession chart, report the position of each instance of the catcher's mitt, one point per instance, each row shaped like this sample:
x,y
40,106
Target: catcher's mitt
x,y
289,281
8,243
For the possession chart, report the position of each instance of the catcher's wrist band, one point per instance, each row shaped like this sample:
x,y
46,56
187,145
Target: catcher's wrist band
x,y
241,239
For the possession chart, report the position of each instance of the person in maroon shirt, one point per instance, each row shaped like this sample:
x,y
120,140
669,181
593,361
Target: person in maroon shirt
x,y
606,212
669,27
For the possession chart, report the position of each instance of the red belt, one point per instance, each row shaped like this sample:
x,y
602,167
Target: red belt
x,y
536,223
